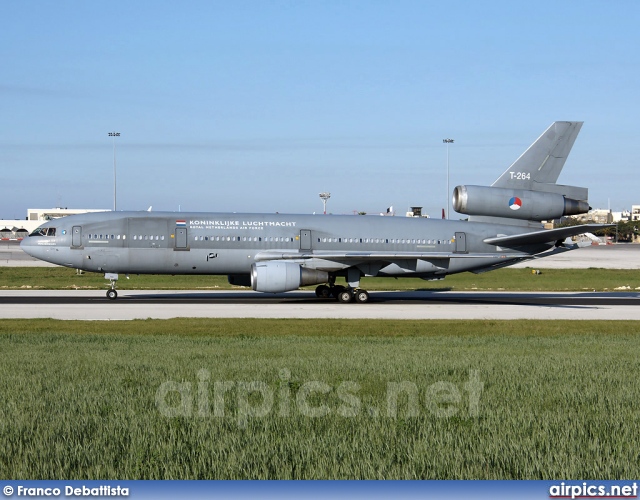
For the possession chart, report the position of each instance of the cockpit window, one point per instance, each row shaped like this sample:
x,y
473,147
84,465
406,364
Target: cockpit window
x,y
44,231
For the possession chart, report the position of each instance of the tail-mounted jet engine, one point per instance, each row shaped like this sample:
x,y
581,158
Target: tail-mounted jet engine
x,y
277,276
515,203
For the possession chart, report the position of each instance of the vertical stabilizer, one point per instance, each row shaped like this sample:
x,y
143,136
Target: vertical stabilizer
x,y
541,164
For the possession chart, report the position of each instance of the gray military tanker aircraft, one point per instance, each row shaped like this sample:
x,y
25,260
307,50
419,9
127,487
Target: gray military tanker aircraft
x,y
277,253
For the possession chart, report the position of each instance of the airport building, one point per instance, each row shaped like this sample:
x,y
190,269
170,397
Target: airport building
x,y
18,229
606,216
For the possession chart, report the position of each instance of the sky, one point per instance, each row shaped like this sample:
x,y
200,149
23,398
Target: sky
x,y
258,106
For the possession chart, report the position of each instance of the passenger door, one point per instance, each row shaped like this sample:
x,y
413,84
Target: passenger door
x,y
461,243
76,236
305,239
181,238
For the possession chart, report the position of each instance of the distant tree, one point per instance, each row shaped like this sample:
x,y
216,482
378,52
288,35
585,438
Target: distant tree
x,y
569,222
362,213
627,230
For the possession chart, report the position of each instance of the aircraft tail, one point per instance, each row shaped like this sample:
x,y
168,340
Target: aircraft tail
x,y
539,166
527,191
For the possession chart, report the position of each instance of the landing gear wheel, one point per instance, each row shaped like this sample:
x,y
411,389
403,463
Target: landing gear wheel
x,y
362,296
323,291
345,296
336,290
112,294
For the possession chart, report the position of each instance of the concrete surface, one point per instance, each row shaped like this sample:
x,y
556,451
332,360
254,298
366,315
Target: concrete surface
x,y
93,305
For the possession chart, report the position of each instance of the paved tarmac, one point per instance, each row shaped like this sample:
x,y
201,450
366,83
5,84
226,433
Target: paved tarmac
x,y
11,255
77,304
93,305
621,256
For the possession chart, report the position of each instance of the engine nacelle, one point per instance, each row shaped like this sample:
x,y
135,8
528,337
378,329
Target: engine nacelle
x,y
279,276
515,203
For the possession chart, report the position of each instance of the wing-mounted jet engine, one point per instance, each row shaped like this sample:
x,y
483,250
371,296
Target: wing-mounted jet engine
x,y
278,276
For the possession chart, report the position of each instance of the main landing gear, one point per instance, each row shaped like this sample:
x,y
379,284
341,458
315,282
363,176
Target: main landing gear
x,y
350,295
343,294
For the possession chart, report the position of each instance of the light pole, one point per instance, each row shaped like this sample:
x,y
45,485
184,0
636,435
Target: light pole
x,y
114,135
325,196
447,142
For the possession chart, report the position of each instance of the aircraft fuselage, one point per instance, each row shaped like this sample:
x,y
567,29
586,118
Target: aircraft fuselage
x,y
229,243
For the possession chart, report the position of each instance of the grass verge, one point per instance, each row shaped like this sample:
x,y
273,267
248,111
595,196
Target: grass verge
x,y
53,278
142,399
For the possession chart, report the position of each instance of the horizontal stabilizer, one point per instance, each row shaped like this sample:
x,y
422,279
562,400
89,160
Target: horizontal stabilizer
x,y
543,236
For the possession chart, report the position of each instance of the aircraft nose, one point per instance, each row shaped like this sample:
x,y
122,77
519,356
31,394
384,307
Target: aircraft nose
x,y
26,245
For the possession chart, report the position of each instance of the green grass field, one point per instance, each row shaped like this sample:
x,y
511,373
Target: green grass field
x,y
93,400
53,278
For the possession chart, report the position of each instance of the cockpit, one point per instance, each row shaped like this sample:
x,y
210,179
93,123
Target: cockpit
x,y
44,231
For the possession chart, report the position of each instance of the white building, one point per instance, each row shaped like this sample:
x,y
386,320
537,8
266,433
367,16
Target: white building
x,y
18,229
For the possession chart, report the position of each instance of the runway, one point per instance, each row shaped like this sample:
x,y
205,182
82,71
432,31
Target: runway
x,y
93,305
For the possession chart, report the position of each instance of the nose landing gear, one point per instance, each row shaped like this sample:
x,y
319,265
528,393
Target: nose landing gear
x,y
112,294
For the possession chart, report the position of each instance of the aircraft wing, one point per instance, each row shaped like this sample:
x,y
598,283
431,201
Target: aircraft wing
x,y
543,236
379,256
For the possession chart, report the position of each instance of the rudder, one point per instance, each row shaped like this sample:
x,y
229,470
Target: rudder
x,y
540,165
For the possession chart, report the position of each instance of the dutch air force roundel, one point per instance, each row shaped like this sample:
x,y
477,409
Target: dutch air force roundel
x,y
515,203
